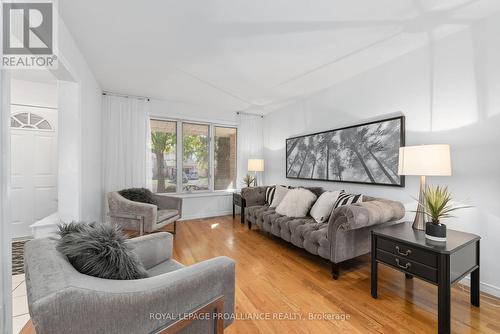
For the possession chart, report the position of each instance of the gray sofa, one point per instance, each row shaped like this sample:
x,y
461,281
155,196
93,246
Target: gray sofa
x,y
61,300
346,235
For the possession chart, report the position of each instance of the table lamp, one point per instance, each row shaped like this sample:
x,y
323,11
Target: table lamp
x,y
255,165
424,160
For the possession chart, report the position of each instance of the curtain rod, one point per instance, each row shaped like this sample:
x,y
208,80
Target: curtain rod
x,y
248,113
125,95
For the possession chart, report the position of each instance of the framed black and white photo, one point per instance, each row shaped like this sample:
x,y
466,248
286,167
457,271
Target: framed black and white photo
x,y
366,153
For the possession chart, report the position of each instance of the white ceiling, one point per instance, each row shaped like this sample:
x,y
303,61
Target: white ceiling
x,y
234,55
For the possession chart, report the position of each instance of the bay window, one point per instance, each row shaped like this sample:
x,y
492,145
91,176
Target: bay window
x,y
192,157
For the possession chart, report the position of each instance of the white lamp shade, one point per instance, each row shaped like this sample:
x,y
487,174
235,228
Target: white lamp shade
x,y
425,160
255,165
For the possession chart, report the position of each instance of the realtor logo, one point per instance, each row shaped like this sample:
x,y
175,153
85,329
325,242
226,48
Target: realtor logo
x,y
28,35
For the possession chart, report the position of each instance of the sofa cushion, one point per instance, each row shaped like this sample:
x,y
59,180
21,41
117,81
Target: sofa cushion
x,y
268,219
251,211
288,227
277,223
279,194
296,203
100,250
141,195
323,207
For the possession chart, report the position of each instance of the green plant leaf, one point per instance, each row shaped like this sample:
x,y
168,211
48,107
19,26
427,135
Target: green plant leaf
x,y
437,203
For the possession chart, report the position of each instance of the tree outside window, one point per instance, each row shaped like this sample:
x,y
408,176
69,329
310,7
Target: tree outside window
x,y
164,149
195,168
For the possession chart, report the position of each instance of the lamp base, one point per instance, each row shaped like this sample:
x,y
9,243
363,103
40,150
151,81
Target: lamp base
x,y
419,221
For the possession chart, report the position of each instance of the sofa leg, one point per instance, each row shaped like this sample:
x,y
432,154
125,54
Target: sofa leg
x,y
335,270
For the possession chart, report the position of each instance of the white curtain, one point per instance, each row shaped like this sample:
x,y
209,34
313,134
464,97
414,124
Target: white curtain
x,y
127,154
250,142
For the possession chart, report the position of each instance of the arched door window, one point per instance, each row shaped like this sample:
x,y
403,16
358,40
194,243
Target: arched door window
x,y
27,120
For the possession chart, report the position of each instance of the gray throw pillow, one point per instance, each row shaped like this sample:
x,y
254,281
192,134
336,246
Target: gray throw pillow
x,y
100,250
141,195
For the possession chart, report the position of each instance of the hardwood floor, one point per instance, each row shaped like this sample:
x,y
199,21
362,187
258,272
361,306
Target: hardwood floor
x,y
274,278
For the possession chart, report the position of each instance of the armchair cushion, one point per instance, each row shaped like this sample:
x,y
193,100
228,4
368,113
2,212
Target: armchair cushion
x,y
152,249
166,214
141,195
164,267
100,250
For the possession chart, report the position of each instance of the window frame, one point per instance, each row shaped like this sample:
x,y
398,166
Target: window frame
x,y
211,154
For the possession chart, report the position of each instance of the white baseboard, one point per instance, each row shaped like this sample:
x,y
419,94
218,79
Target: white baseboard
x,y
484,287
206,215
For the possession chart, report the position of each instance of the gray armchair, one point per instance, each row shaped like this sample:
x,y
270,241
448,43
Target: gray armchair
x,y
62,300
144,217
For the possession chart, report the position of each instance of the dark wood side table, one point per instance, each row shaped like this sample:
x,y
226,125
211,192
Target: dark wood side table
x,y
443,264
239,201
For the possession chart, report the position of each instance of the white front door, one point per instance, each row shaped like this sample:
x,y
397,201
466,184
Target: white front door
x,y
33,166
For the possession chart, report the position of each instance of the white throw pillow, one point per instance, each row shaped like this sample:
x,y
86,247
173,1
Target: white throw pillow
x,y
323,207
279,194
296,203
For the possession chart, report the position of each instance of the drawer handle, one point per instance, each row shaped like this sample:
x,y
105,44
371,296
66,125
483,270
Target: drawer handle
x,y
408,252
406,266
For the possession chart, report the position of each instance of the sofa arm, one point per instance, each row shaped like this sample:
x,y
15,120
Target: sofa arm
x,y
169,202
152,249
139,306
358,215
254,195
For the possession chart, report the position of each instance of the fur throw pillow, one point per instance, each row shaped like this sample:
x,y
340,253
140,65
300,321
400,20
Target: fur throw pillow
x,y
296,203
141,195
100,250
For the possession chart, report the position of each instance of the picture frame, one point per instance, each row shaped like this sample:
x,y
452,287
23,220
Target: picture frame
x,y
366,153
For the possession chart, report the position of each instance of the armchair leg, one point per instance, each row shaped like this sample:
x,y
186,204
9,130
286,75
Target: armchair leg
x,y
335,270
141,227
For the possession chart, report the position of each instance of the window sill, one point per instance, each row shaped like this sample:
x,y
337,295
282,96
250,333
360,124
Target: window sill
x,y
201,194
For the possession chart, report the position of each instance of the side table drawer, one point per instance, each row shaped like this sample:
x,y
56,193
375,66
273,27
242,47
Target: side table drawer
x,y
408,252
407,265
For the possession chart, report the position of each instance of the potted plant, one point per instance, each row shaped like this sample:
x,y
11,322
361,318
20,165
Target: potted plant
x,y
248,180
437,205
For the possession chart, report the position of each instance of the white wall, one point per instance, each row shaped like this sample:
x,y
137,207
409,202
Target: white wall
x,y
465,113
196,206
86,139
5,230
39,94
179,110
